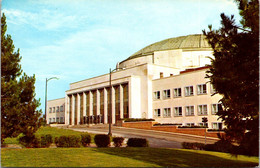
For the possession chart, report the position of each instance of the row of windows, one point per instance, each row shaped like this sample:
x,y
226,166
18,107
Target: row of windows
x,y
189,110
58,119
214,125
58,109
188,91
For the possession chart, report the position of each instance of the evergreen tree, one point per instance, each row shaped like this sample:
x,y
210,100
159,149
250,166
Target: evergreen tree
x,y
234,73
18,103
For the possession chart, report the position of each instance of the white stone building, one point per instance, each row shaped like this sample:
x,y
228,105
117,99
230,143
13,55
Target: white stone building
x,y
165,81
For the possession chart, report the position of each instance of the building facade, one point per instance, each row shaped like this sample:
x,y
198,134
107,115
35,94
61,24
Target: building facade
x,y
56,111
165,81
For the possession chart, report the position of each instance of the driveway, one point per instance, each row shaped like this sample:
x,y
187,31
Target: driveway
x,y
156,138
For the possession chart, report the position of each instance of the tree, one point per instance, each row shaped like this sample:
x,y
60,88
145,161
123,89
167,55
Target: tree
x,y
234,73
18,103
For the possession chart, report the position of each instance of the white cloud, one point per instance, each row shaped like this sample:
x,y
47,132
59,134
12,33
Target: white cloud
x,y
43,19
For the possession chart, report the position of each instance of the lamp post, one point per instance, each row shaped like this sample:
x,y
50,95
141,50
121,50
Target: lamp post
x,y
110,109
46,97
205,120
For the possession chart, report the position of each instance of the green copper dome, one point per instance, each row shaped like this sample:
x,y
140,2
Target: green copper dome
x,y
195,41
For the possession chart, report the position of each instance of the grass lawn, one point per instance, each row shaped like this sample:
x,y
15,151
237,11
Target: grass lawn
x,y
121,157
55,132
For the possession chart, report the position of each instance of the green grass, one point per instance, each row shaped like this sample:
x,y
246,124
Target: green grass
x,y
55,132
121,157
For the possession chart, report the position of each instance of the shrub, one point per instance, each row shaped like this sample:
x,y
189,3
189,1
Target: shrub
x,y
68,141
46,141
30,141
137,142
118,141
195,146
85,139
102,140
220,146
137,119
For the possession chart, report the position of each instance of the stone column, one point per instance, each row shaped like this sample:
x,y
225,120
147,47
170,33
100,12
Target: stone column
x,y
90,103
84,97
72,110
78,109
105,106
121,101
113,106
98,102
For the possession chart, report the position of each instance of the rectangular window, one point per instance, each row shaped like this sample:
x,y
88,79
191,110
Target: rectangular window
x,y
190,124
217,125
157,112
50,109
61,119
57,109
202,109
57,119
177,111
53,109
167,112
53,119
157,95
203,124
167,94
189,110
189,91
212,89
202,89
49,120
61,109
216,108
177,92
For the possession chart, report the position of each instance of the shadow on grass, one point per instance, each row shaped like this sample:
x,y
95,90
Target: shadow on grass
x,y
176,158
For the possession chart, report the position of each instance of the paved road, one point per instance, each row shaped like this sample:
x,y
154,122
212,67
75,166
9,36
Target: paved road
x,y
155,138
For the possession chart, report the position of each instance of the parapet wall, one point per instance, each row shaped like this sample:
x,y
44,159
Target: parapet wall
x,y
172,128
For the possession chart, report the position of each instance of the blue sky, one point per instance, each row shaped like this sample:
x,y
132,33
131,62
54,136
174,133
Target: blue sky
x,y
78,39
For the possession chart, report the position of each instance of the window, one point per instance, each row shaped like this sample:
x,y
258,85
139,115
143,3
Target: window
x,y
50,110
53,119
61,119
157,95
57,109
57,119
61,108
212,89
49,120
157,112
177,92
215,108
189,110
202,89
190,124
217,125
202,110
177,111
203,124
167,94
189,91
53,109
167,112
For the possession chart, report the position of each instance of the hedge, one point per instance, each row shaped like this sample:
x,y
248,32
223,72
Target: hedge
x,y
43,141
137,142
68,141
85,139
102,140
118,141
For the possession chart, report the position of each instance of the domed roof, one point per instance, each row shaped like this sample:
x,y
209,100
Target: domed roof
x,y
195,41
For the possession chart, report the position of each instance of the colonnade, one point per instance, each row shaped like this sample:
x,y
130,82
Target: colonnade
x,y
94,106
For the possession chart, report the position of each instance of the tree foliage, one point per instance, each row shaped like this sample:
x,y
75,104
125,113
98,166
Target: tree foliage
x,y
18,103
234,73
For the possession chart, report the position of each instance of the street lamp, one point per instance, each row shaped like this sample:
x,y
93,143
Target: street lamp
x,y
46,96
110,109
